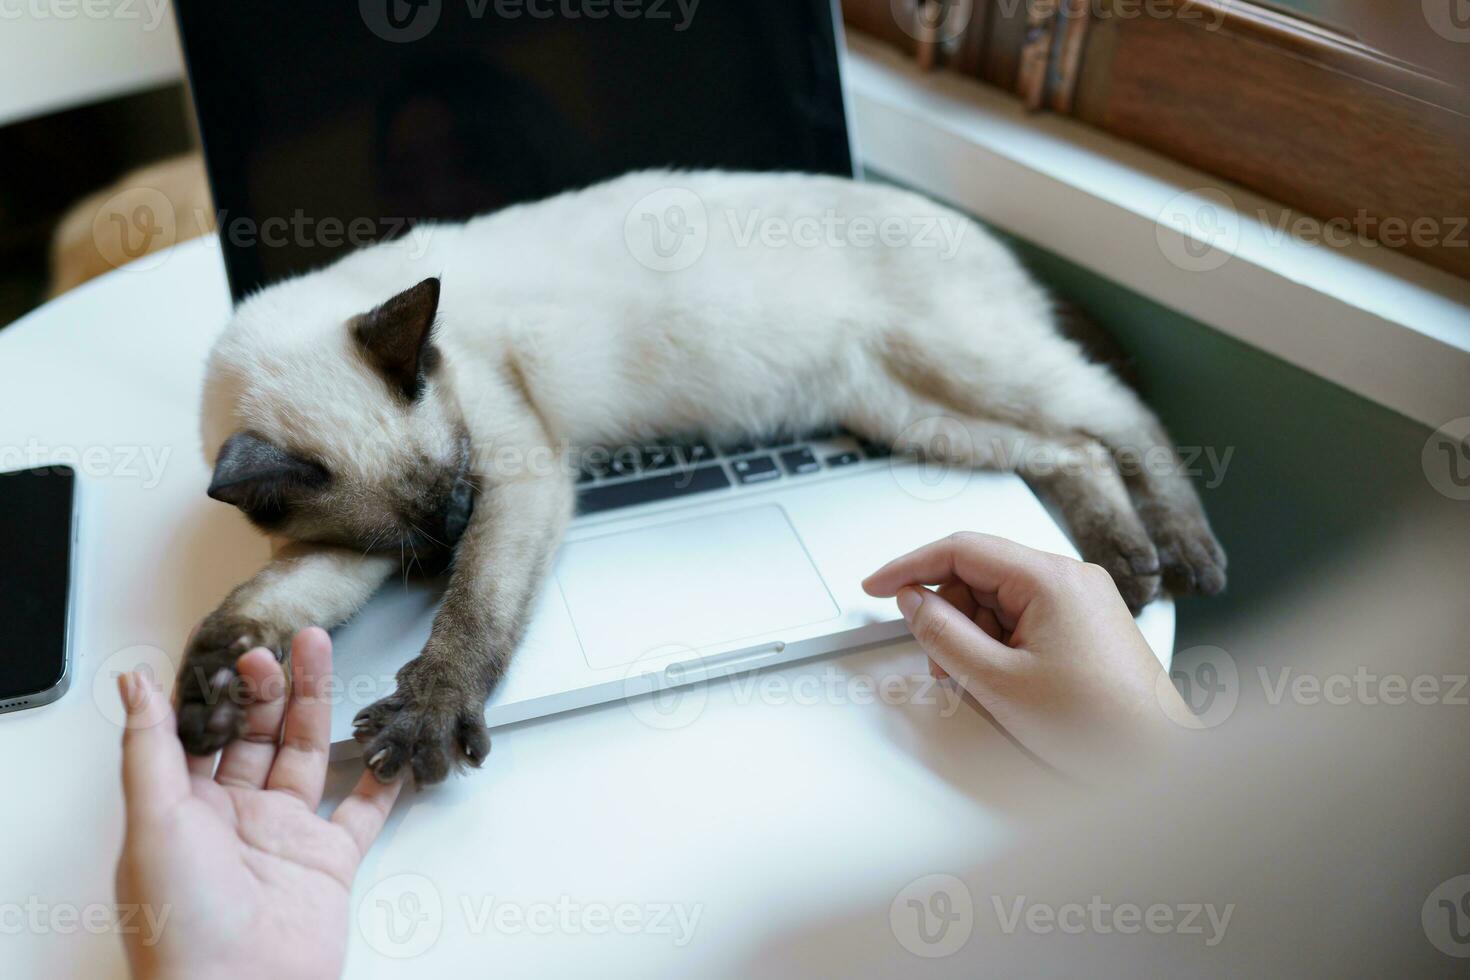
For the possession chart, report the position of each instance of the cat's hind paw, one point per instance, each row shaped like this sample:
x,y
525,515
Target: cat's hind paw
x,y
1129,557
1192,560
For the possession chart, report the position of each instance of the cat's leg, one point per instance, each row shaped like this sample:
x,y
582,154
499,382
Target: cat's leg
x,y
1076,476
435,718
304,585
1050,389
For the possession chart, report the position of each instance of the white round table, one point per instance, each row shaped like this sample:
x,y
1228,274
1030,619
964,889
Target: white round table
x,y
617,840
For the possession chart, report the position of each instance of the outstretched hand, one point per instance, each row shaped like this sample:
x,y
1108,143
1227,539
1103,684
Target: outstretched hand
x,y
253,883
1044,643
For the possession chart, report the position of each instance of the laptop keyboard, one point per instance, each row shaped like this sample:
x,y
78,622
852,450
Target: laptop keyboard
x,y
683,467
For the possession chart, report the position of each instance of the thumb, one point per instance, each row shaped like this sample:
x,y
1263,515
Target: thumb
x,y
948,636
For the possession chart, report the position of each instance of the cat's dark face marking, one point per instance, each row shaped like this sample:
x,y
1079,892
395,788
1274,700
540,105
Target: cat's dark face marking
x,y
385,466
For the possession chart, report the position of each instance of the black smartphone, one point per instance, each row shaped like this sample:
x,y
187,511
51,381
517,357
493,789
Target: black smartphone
x,y
38,543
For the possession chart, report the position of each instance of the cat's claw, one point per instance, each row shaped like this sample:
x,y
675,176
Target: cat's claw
x,y
426,738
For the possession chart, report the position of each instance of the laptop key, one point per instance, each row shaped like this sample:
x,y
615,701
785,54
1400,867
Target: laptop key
x,y
697,452
664,486
843,459
873,450
756,469
658,458
798,461
740,448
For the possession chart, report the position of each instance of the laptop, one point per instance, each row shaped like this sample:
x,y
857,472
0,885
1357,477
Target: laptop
x,y
687,560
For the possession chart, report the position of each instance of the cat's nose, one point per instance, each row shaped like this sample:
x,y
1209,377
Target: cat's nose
x,y
457,512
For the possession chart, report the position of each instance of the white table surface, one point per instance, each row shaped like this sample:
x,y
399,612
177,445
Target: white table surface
x,y
763,805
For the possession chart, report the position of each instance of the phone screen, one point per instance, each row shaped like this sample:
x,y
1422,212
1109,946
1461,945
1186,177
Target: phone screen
x,y
37,508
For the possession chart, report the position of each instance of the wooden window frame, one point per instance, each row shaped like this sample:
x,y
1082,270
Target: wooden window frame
x,y
1290,109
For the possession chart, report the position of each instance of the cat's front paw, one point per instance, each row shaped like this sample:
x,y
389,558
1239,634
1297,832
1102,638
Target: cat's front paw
x,y
209,703
429,731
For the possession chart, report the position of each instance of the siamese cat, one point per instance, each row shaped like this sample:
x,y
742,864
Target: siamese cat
x,y
429,403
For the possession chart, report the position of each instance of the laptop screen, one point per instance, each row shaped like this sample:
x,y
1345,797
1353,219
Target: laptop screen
x,y
329,125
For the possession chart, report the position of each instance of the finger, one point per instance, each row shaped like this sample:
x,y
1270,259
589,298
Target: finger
x,y
301,763
961,596
155,776
987,564
246,761
366,809
959,647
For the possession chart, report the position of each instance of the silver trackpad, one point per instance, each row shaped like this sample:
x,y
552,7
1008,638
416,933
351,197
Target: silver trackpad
x,y
695,583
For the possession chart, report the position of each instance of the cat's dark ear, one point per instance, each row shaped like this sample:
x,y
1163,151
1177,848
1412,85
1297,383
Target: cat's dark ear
x,y
256,476
396,337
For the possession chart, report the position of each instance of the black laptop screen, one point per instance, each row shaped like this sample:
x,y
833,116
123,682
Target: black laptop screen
x,y
333,123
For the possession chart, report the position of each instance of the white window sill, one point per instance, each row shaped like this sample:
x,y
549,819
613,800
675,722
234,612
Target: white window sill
x,y
1380,324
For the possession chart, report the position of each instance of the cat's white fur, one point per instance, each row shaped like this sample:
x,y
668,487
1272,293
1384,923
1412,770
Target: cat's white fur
x,y
555,329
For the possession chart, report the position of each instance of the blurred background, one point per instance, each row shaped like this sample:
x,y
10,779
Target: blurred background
x,y
1336,107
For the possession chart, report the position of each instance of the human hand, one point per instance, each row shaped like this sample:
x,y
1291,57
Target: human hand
x,y
253,882
1044,643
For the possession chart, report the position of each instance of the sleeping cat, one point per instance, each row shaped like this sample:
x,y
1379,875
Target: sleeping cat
x,y
431,403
